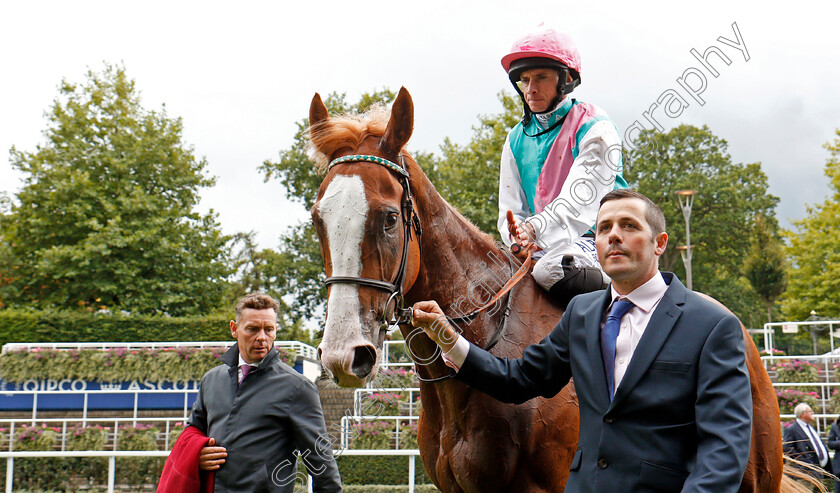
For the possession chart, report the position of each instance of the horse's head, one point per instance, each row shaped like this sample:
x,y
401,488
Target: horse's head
x,y
360,217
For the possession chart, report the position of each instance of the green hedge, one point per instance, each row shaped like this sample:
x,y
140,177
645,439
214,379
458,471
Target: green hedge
x,y
379,470
66,326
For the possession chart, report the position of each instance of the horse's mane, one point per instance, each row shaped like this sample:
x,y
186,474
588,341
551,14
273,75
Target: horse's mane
x,y
346,131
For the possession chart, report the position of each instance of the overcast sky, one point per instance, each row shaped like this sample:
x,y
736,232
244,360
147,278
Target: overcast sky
x,y
241,74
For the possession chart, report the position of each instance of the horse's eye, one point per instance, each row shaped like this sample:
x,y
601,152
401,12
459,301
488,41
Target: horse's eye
x,y
391,221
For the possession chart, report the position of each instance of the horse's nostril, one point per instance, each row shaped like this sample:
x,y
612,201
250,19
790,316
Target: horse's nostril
x,y
364,358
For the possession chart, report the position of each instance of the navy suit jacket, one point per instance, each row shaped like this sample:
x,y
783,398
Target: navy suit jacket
x,y
681,416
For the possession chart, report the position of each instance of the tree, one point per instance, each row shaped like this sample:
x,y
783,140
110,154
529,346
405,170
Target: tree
x,y
815,257
106,214
476,164
729,197
764,267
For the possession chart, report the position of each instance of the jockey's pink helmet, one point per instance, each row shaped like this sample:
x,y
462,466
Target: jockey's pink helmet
x,y
543,43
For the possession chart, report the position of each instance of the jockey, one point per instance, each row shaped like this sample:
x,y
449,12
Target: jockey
x,y
556,165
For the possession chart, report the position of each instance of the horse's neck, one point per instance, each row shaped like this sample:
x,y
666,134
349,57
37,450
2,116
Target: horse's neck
x,y
461,268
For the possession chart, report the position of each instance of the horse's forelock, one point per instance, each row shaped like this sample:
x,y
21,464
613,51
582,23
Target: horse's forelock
x,y
341,131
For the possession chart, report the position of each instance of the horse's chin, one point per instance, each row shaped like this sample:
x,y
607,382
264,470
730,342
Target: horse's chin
x,y
350,380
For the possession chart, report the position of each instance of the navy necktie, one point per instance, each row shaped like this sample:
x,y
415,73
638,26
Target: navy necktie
x,y
817,444
609,334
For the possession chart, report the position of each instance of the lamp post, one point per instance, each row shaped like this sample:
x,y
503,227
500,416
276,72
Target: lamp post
x,y
814,330
686,198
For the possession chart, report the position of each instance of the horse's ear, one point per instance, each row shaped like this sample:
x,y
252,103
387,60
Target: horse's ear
x,y
401,124
317,111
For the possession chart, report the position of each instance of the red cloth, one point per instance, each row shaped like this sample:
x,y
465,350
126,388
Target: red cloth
x,y
181,473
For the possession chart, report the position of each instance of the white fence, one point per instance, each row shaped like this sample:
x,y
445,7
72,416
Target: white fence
x,y
112,455
769,331
303,350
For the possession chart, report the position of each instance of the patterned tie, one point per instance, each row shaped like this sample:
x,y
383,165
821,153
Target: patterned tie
x,y
246,369
817,444
608,336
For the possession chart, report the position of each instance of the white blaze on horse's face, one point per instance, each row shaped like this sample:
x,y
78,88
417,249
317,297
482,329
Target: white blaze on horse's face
x,y
344,350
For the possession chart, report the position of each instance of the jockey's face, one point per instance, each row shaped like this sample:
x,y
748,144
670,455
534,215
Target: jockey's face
x,y
539,86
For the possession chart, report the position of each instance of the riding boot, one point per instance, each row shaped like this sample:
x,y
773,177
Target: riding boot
x,y
576,280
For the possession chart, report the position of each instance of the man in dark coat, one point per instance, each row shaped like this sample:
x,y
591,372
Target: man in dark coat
x,y
257,411
802,442
659,370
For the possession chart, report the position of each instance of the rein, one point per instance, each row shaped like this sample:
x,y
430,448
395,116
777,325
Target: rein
x,y
500,328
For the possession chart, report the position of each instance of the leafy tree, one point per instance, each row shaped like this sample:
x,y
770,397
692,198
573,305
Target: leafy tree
x,y
106,214
729,197
815,257
764,267
476,164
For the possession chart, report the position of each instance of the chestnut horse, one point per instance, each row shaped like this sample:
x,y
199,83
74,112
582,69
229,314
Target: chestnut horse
x,y
386,234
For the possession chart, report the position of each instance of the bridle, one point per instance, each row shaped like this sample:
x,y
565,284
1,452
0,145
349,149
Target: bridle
x,y
401,314
410,220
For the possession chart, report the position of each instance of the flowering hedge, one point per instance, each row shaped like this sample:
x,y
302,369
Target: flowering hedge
x,y
114,365
408,434
29,438
382,404
797,370
86,437
772,352
372,435
396,378
789,398
174,432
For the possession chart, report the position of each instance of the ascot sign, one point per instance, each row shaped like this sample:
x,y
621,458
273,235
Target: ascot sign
x,y
67,394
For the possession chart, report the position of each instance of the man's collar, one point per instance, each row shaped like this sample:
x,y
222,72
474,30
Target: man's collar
x,y
559,111
243,362
232,357
647,295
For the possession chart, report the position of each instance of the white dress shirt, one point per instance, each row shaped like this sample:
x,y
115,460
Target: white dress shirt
x,y
239,368
645,298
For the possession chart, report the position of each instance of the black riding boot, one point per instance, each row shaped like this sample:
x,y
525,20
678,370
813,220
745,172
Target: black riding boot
x,y
576,280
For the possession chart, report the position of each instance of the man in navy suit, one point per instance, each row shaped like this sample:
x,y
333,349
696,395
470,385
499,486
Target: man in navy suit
x,y
659,370
803,443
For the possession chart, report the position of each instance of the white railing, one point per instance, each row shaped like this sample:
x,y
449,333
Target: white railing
x,y
386,355
301,349
112,455
348,421
86,393
15,346
359,395
65,423
769,331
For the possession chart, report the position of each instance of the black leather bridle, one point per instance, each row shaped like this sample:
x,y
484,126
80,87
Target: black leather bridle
x,y
410,220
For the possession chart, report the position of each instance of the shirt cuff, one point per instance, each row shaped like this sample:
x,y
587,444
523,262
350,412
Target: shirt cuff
x,y
455,357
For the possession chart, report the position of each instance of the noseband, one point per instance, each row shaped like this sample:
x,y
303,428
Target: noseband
x,y
410,220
